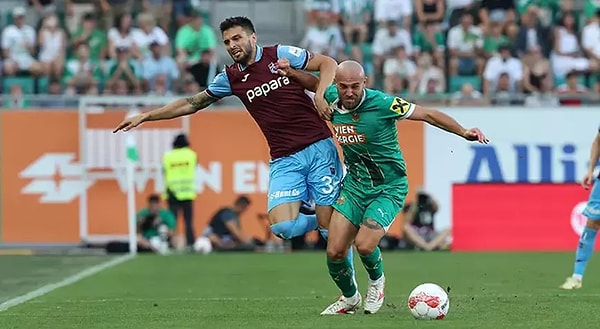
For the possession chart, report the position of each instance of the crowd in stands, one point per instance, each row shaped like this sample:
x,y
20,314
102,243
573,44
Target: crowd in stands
x,y
467,52
460,52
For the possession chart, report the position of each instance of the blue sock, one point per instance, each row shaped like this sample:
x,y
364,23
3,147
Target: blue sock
x,y
325,234
293,228
585,248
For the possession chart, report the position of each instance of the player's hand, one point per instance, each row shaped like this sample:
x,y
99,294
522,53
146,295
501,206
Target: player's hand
x,y
474,134
283,67
587,180
131,123
324,110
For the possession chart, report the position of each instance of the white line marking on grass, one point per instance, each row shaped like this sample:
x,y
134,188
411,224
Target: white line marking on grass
x,y
68,281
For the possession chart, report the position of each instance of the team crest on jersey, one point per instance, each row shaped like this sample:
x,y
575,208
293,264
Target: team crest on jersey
x,y
341,200
332,170
273,68
355,116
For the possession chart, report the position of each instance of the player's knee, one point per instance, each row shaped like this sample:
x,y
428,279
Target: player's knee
x,y
336,253
365,248
292,228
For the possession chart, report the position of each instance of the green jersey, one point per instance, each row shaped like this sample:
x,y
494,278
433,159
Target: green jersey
x,y
368,136
165,216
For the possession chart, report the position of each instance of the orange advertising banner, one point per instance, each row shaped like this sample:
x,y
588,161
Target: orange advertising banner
x,y
42,172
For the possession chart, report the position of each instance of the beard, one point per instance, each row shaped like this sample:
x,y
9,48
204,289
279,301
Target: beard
x,y
247,50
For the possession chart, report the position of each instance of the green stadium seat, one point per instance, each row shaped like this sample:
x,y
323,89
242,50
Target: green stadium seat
x,y
42,84
27,83
457,81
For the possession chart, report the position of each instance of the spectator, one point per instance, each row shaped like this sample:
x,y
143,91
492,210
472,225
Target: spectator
x,y
493,40
82,74
356,18
502,12
430,11
93,37
149,33
224,230
52,43
566,55
398,11
159,66
39,9
427,71
430,39
503,64
537,72
503,92
195,43
124,69
388,38
118,87
160,86
465,42
122,35
571,91
532,33
419,224
467,96
356,54
400,72
457,8
75,11
160,9
111,10
190,86
590,37
18,46
156,228
324,37
16,99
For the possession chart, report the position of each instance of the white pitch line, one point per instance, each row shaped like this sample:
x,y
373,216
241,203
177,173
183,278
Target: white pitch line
x,y
68,281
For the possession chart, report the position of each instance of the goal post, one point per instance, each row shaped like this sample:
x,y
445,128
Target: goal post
x,y
120,180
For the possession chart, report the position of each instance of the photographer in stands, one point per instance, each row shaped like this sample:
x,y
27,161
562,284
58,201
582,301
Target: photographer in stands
x,y
419,227
156,228
224,229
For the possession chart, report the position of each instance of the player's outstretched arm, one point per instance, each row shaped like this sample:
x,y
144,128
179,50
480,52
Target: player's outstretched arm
x,y
172,110
443,121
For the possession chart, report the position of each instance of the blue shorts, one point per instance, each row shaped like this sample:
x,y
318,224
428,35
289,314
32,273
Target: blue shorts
x,y
314,173
592,210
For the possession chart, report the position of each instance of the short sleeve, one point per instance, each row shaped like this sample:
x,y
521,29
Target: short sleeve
x,y
168,218
396,107
227,216
220,86
298,57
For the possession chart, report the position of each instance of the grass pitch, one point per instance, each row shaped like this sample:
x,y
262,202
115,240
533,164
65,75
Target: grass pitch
x,y
227,291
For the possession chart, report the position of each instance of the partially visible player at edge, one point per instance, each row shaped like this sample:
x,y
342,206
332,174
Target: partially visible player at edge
x,y
304,160
376,185
585,248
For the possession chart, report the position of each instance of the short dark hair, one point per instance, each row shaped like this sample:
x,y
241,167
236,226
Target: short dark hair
x,y
234,21
242,201
153,198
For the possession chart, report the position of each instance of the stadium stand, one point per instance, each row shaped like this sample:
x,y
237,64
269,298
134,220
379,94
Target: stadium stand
x,y
441,52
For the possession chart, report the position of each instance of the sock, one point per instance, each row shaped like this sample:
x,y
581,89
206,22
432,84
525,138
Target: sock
x,y
373,263
585,248
293,228
342,274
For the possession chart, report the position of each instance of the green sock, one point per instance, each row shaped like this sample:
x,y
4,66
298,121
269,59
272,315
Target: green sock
x,y
373,264
341,273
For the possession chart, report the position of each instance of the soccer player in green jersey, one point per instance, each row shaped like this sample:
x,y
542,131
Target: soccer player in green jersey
x,y
375,186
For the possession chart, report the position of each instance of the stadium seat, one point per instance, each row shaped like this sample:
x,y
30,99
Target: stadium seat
x,y
457,81
27,83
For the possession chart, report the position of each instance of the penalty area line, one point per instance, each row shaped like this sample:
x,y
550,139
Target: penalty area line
x,y
66,282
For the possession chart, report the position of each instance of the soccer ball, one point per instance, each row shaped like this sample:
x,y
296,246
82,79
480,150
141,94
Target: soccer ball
x,y
203,245
428,301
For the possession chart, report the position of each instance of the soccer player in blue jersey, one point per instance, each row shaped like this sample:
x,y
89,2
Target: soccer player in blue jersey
x,y
585,248
304,160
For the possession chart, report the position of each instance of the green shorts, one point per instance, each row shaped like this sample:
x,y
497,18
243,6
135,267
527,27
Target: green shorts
x,y
381,204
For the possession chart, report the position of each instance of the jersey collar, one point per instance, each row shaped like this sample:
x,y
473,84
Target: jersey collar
x,y
344,111
259,52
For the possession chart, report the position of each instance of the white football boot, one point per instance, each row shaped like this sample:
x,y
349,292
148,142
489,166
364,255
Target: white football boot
x,y
571,283
375,295
344,305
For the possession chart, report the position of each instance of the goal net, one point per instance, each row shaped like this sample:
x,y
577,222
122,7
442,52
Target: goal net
x,y
119,185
